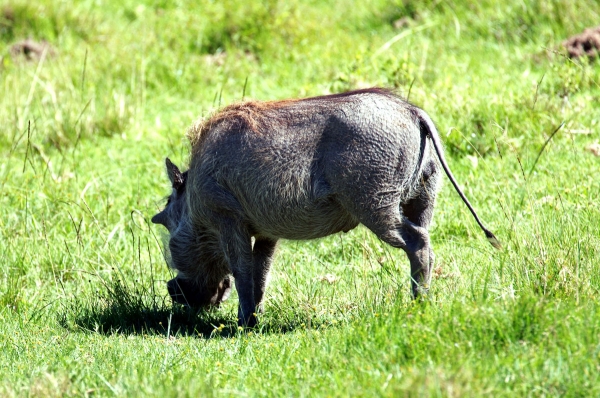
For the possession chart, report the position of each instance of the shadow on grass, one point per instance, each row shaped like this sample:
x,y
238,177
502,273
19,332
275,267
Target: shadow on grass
x,y
137,311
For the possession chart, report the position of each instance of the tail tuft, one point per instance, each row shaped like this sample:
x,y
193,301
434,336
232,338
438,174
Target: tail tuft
x,y
493,240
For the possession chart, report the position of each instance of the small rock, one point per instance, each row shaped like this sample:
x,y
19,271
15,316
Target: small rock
x,y
401,23
31,50
584,44
329,278
594,149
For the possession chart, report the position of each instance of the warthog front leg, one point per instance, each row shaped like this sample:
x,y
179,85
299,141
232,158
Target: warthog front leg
x,y
262,253
237,245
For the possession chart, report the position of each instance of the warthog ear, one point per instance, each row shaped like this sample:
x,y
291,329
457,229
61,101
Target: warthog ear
x,y
160,218
174,174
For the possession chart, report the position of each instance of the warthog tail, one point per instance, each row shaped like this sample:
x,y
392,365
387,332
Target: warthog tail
x,y
437,144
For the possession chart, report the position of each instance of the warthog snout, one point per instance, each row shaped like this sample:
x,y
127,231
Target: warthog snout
x,y
186,292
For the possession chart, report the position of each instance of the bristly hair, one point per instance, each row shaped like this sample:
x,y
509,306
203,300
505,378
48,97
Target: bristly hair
x,y
389,92
244,115
251,114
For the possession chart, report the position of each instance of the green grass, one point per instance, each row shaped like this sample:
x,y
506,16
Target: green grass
x,y
83,304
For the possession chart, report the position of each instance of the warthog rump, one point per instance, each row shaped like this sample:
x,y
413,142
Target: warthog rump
x,y
300,169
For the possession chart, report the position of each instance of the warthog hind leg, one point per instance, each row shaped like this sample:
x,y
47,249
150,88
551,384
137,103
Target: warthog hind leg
x,y
398,231
405,227
419,211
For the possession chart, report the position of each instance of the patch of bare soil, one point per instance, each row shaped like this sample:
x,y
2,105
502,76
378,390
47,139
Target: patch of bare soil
x,y
401,23
584,44
594,149
31,50
220,58
7,17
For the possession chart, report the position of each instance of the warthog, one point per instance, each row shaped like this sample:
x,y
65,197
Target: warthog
x,y
300,169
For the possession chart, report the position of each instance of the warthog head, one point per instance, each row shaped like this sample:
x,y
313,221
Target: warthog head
x,y
186,292
188,288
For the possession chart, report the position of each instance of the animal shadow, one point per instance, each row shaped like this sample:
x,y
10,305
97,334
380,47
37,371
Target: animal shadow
x,y
152,315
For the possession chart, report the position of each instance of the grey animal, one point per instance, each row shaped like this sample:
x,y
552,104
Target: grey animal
x,y
300,169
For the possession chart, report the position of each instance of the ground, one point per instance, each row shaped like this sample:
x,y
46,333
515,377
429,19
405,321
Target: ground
x,y
83,305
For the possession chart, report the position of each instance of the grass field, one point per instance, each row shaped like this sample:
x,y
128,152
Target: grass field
x,y
85,129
